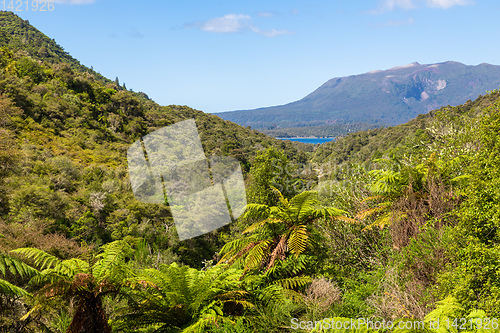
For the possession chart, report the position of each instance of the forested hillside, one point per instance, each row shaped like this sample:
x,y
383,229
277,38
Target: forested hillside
x,y
397,225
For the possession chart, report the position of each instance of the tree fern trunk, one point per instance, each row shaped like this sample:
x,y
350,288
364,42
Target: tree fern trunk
x,y
89,317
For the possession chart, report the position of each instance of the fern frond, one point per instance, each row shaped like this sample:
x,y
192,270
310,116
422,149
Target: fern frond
x,y
7,288
302,204
272,294
41,258
237,248
385,220
113,254
77,265
447,308
291,266
256,255
297,243
15,266
369,212
387,181
51,277
294,282
260,224
245,304
256,211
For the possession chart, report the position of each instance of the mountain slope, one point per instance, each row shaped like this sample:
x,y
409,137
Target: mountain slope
x,y
374,99
64,135
18,33
365,146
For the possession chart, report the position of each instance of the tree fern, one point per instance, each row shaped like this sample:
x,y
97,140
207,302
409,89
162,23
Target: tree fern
x,y
87,282
291,220
181,297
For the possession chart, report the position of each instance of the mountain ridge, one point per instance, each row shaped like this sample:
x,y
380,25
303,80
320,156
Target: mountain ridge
x,y
18,33
374,99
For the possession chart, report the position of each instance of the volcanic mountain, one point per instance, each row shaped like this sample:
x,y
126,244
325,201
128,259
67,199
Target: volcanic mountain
x,y
374,99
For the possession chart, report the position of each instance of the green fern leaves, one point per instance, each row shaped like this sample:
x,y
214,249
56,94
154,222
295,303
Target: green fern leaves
x,y
279,231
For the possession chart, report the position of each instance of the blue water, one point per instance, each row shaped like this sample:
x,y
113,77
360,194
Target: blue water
x,y
309,140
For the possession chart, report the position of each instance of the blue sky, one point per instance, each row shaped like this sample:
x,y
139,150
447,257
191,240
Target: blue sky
x,y
232,55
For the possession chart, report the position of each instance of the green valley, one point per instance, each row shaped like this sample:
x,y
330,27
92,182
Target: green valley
x,y
395,225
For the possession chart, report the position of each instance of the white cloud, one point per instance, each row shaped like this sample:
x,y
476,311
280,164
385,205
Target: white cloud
x,y
404,4
445,4
231,23
228,23
387,5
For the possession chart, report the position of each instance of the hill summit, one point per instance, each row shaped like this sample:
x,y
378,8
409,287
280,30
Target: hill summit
x,y
374,99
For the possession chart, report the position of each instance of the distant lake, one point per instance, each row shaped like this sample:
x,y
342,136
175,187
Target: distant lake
x,y
309,140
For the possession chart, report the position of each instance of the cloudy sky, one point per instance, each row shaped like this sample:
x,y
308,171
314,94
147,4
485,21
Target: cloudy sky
x,y
232,55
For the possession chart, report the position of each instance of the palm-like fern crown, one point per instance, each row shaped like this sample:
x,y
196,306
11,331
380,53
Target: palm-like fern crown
x,y
394,181
180,296
277,231
100,275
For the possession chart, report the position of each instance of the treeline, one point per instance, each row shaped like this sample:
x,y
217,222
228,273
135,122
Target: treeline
x,y
319,131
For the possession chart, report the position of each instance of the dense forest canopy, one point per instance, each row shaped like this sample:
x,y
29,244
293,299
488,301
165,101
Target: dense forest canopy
x,y
393,225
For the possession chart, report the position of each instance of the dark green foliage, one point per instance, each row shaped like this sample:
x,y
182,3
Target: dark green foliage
x,y
475,256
